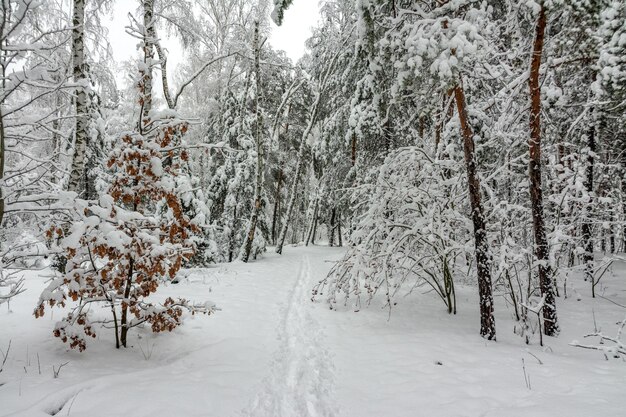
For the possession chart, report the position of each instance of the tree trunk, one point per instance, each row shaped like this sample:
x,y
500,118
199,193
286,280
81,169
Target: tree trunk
x,y
2,158
293,190
551,326
148,53
259,149
339,238
447,111
487,320
231,240
586,226
612,232
77,173
276,206
353,146
125,302
5,17
163,65
303,144
313,226
331,234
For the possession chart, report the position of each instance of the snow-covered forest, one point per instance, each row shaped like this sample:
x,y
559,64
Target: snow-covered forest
x,y
424,215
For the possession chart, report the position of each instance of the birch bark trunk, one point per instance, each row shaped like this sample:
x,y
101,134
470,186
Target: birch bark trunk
x,y
77,173
148,53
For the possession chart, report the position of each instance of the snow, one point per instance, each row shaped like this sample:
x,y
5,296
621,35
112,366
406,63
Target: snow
x,y
270,351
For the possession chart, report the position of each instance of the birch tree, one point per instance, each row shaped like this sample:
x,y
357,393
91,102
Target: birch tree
x,y
77,174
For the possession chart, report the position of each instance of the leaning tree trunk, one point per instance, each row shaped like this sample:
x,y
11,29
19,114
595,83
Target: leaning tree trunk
x,y
77,173
305,135
293,190
487,320
551,326
259,150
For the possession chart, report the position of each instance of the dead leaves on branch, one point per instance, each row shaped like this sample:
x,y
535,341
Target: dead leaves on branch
x,y
128,246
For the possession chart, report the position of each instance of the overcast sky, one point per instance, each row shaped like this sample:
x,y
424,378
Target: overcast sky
x,y
290,37
296,28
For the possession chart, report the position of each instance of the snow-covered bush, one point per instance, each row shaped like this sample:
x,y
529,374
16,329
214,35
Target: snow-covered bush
x,y
407,236
120,249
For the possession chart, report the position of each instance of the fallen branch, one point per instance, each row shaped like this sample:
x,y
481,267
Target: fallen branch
x,y
617,350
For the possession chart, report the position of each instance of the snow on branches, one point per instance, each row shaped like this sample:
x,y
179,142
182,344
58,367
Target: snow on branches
x,y
408,238
135,238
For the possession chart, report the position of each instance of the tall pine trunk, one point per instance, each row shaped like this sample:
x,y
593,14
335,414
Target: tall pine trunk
x,y
551,326
487,319
77,173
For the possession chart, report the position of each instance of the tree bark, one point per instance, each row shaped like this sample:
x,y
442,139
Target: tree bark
x,y
353,150
331,234
447,111
148,53
77,173
296,176
339,237
487,319
163,64
586,226
313,226
259,150
2,158
125,303
551,326
5,18
275,215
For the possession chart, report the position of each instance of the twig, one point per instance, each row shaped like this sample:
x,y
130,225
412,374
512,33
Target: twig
x,y
526,376
534,356
57,371
5,356
611,301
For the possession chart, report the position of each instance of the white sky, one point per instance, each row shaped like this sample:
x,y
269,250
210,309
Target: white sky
x,y
296,28
290,37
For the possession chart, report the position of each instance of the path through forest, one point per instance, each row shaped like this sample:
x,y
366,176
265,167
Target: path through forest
x,y
301,375
271,352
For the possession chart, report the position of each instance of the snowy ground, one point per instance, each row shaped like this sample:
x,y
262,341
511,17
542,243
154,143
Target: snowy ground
x,y
271,352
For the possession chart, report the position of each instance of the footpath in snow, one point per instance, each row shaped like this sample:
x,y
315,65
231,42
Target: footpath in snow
x,y
271,352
